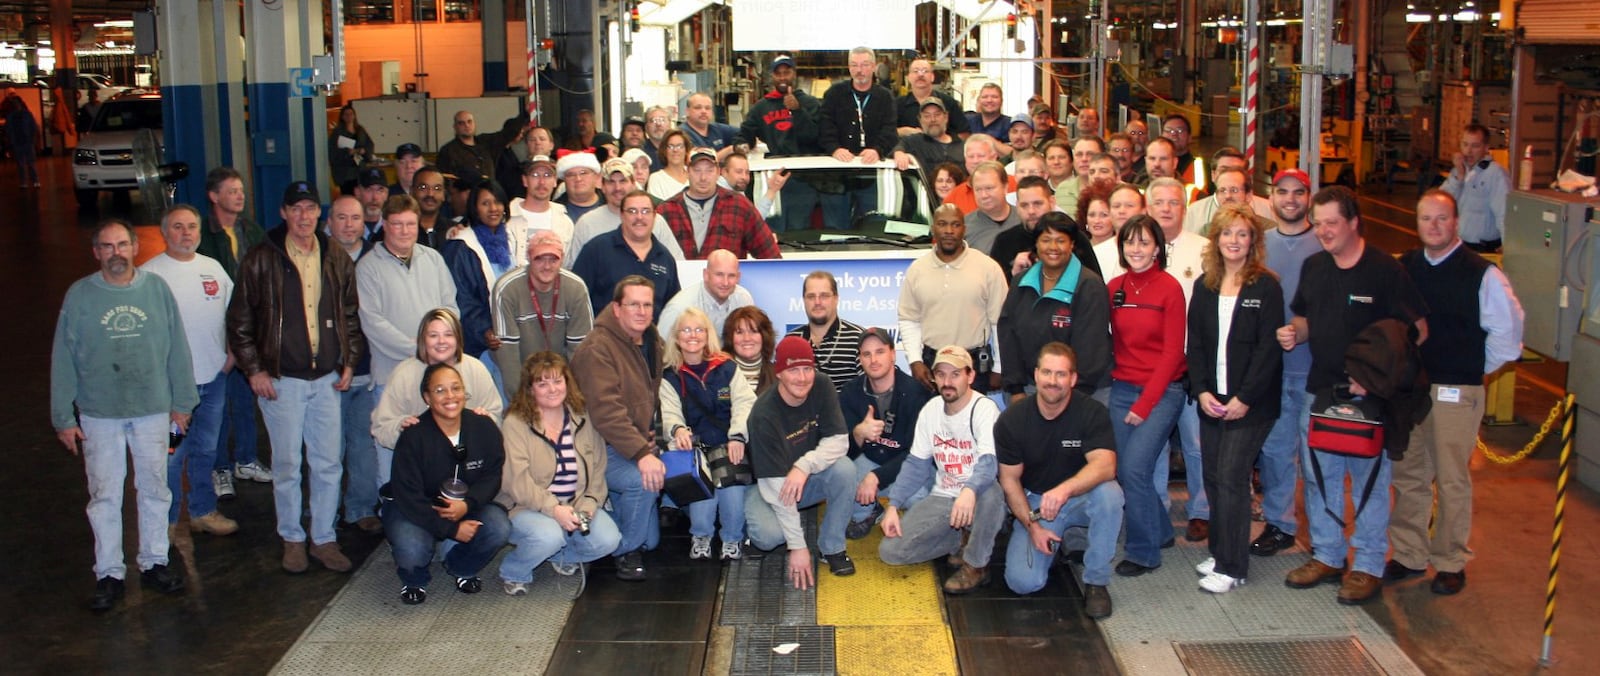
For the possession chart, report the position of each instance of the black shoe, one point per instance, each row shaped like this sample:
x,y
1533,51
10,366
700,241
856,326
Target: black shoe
x,y
413,595
860,529
162,579
1271,542
630,566
840,564
469,585
1394,571
1096,601
1130,569
1447,584
1074,556
107,591
1170,543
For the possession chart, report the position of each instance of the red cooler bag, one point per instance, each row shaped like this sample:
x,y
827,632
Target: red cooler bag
x,y
1345,424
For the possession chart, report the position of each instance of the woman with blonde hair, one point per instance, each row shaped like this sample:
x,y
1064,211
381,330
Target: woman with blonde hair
x,y
1236,374
705,400
438,342
555,477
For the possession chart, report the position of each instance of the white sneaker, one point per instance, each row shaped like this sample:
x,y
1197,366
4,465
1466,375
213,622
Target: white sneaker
x,y
566,569
253,471
1217,583
731,551
514,588
222,483
1206,567
700,548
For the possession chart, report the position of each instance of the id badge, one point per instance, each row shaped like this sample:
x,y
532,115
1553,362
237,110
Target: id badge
x,y
1449,395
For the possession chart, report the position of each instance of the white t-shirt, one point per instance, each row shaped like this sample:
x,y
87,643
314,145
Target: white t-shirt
x,y
955,442
1184,261
202,290
1225,306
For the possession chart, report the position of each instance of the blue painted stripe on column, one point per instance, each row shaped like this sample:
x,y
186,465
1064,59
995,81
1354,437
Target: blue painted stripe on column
x,y
311,120
269,116
494,76
183,134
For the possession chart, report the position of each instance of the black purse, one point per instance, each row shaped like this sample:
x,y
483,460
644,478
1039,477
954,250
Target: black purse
x,y
724,472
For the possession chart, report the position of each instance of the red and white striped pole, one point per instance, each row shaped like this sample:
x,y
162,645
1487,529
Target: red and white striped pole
x,y
1252,79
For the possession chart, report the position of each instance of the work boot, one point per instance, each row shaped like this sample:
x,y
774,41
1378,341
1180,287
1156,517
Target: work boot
x,y
331,557
294,557
1311,574
1359,588
966,579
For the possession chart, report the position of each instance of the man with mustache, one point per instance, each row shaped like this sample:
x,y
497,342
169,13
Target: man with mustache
x,y
122,359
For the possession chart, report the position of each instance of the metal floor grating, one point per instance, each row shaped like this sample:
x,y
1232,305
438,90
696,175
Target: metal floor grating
x,y
753,654
757,592
1342,655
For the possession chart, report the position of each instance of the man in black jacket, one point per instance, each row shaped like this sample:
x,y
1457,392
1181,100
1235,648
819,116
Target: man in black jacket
x,y
856,121
880,409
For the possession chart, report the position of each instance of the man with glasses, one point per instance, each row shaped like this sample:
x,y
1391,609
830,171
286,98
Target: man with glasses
x,y
618,366
1175,128
706,217
835,342
295,330
615,183
580,172
1120,146
1231,186
628,251
657,122
473,154
121,376
539,307
535,211
910,106
427,188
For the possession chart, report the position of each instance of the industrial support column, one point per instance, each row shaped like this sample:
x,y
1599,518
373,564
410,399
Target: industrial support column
x,y
493,15
190,104
1318,35
64,119
288,117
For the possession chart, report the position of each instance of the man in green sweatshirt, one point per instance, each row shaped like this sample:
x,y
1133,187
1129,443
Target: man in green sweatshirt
x,y
122,360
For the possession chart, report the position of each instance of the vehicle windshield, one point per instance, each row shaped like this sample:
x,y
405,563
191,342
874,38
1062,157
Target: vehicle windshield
x,y
870,201
128,115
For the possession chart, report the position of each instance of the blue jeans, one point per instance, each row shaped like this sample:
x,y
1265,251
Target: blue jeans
x,y
360,452
305,412
494,374
799,199
1099,510
835,485
239,423
1280,455
863,466
539,538
728,503
839,211
633,507
107,444
1371,536
414,547
1198,506
1137,449
197,452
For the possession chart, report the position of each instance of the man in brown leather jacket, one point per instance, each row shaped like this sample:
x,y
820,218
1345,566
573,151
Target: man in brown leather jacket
x,y
295,333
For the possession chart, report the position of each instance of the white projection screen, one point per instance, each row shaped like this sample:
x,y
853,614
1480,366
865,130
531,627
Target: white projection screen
x,y
796,25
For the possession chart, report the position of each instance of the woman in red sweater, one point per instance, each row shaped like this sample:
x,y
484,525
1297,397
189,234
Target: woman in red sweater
x,y
1148,327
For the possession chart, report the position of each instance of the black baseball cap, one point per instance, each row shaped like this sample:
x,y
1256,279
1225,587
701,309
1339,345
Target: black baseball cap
x,y
407,149
372,176
633,120
875,332
299,191
782,60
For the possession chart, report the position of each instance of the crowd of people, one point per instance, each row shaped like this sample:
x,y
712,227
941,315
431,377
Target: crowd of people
x,y
463,368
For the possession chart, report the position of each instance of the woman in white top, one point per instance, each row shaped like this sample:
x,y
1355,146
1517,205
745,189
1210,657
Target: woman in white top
x,y
674,174
438,342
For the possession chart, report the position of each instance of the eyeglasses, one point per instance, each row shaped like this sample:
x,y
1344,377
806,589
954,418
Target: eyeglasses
x,y
639,307
441,390
1120,151
1230,190
638,211
812,297
438,187
675,146
578,173
1138,133
1174,131
113,246
692,331
543,176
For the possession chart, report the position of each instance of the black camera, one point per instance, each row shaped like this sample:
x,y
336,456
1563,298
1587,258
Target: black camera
x,y
583,522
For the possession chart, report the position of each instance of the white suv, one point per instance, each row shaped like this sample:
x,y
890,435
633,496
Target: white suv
x,y
104,158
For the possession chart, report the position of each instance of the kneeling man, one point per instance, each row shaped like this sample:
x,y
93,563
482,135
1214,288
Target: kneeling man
x,y
962,514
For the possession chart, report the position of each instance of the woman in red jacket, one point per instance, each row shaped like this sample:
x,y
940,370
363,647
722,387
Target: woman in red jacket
x,y
1147,383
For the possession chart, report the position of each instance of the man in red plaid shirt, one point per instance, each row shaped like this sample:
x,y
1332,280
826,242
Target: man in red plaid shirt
x,y
705,217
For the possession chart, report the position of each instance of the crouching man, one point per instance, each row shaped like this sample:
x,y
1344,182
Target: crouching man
x,y
963,512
